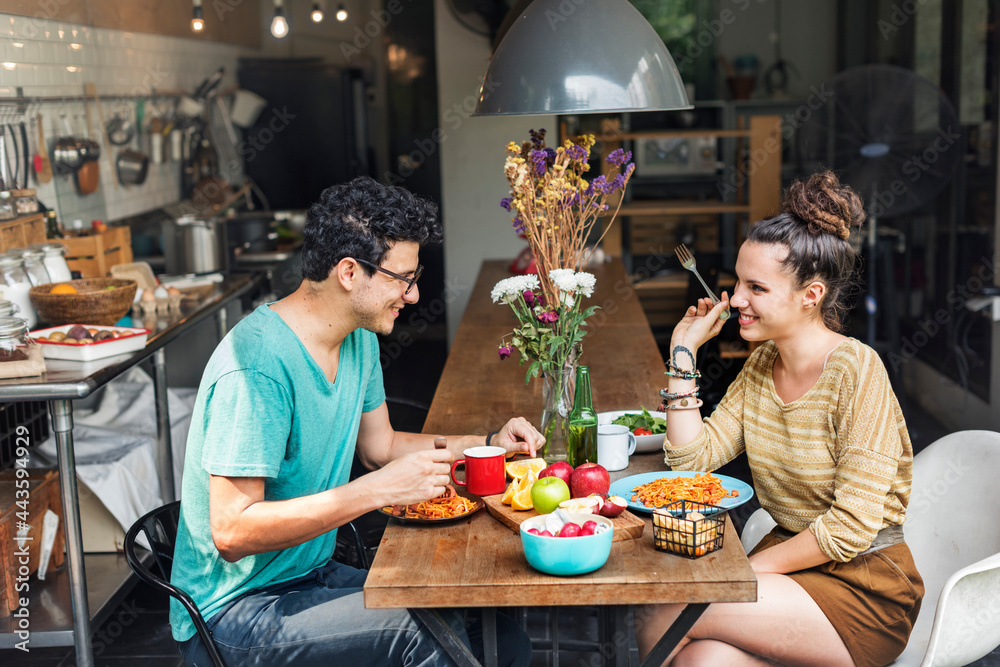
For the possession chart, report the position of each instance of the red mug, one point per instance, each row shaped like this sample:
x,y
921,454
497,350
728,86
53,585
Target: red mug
x,y
484,470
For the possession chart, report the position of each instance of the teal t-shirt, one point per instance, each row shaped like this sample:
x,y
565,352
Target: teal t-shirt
x,y
266,409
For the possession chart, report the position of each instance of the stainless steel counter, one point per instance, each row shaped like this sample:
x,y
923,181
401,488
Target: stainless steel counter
x,y
63,382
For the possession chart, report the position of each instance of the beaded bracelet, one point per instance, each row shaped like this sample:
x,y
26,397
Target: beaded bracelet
x,y
685,404
681,394
675,371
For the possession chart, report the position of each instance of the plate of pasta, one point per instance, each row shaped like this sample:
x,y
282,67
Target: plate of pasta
x,y
449,506
649,490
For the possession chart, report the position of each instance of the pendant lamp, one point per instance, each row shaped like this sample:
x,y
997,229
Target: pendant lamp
x,y
567,57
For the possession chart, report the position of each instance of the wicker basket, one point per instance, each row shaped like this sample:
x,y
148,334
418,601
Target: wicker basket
x,y
93,303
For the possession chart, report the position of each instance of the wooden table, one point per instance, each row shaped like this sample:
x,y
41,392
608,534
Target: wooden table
x,y
478,562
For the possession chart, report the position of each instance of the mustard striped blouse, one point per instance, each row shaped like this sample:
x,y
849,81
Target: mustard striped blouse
x,y
838,460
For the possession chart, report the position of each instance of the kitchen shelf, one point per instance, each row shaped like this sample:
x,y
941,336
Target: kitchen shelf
x,y
680,207
109,580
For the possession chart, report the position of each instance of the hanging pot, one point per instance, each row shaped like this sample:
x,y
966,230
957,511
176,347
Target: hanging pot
x,y
88,177
132,167
68,154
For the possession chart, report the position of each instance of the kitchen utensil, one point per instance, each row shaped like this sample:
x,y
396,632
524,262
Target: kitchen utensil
x,y
88,176
67,154
91,91
43,167
233,197
89,149
14,173
246,108
119,130
623,487
687,261
133,165
26,155
484,470
194,245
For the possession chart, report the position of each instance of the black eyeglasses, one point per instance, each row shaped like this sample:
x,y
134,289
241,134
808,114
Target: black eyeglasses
x,y
410,282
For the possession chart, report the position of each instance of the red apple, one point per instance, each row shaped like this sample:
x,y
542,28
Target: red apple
x,y
613,506
589,478
559,469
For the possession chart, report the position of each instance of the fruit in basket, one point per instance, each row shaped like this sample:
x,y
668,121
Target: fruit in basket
x,y
559,469
78,333
589,478
547,493
63,288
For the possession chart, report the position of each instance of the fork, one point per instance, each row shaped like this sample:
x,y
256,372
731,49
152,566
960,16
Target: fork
x,y
687,261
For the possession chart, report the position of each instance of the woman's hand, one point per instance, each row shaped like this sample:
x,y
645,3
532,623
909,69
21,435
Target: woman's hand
x,y
700,323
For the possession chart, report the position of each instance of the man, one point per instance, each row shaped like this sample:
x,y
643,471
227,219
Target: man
x,y
286,400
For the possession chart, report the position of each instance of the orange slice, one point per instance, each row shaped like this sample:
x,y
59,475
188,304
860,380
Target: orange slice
x,y
521,467
63,288
508,494
522,500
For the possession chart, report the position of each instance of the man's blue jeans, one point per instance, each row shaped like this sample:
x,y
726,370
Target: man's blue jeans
x,y
320,619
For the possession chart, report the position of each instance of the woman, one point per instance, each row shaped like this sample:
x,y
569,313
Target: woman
x,y
827,445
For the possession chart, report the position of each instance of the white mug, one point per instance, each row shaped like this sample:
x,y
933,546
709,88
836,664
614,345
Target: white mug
x,y
615,443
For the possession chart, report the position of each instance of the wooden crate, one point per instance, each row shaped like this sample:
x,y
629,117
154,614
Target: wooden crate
x,y
93,256
22,232
43,494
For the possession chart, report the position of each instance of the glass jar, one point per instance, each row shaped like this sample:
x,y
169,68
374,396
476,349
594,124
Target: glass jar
x,y
55,261
34,266
15,344
8,309
6,206
14,286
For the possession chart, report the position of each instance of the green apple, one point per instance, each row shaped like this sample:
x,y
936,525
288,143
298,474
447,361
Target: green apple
x,y
547,493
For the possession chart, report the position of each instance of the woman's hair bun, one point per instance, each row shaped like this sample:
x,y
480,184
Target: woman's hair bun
x,y
824,205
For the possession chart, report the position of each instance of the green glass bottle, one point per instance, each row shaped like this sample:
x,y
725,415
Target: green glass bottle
x,y
582,440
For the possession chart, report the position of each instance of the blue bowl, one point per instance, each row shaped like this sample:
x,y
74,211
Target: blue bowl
x,y
565,556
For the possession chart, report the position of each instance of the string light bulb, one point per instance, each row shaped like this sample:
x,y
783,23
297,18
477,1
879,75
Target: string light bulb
x,y
279,26
317,13
341,13
197,19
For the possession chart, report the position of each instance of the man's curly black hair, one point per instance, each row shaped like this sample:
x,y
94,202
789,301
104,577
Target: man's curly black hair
x,y
363,219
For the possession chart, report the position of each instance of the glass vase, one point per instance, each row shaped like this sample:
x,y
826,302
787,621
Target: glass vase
x,y
558,388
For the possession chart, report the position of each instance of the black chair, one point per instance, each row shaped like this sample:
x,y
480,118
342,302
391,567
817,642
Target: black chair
x,y
160,529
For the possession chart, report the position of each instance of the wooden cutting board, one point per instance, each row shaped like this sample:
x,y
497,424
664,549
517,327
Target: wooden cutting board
x,y
627,525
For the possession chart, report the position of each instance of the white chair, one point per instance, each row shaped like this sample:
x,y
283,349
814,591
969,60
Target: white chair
x,y
953,531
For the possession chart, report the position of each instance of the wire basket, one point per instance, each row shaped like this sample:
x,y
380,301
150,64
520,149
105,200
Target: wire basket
x,y
688,528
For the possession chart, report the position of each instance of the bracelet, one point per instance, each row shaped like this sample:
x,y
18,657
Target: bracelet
x,y
685,404
490,437
674,371
681,394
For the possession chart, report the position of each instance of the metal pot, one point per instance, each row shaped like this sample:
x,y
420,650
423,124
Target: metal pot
x,y
132,167
194,245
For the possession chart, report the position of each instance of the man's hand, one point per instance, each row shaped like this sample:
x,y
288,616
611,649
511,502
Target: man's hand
x,y
414,477
519,437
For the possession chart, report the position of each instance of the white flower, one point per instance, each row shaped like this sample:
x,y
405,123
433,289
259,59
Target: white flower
x,y
585,283
508,288
568,299
564,279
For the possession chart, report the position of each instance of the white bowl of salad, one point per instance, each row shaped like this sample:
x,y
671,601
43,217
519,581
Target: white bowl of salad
x,y
649,428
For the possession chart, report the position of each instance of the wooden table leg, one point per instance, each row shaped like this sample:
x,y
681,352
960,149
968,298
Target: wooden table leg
x,y
450,641
674,634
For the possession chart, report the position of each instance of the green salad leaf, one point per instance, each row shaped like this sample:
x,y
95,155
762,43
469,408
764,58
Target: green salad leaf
x,y
658,425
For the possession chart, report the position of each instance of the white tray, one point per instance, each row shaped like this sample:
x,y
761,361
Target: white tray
x,y
131,339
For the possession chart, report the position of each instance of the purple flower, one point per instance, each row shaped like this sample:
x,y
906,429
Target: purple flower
x,y
619,157
547,316
600,184
550,153
537,138
538,161
529,297
629,169
577,153
618,183
506,202
519,225
504,352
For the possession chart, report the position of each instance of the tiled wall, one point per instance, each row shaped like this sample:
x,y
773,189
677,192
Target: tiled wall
x,y
52,59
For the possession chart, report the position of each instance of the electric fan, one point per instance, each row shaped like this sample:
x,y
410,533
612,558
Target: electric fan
x,y
892,136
